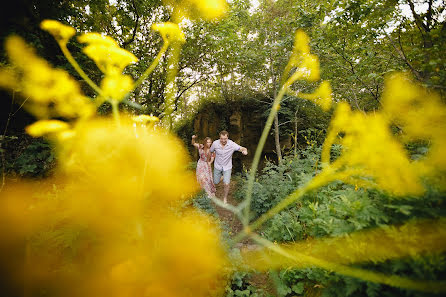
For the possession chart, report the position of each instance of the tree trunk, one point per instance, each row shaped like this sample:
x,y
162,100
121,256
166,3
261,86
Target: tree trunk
x,y
295,133
277,139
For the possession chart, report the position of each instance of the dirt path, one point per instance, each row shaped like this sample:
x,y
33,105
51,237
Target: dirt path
x,y
228,218
259,280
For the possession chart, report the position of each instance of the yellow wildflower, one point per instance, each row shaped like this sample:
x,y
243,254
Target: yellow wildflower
x,y
170,32
120,192
49,92
143,118
421,116
373,245
44,127
301,43
195,9
322,96
369,151
62,33
116,86
146,120
111,158
8,79
198,263
109,59
97,39
306,65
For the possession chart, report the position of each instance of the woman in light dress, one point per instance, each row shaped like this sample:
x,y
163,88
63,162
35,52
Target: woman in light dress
x,y
204,169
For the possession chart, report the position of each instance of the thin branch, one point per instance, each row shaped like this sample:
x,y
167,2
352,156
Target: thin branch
x,y
401,53
352,69
125,43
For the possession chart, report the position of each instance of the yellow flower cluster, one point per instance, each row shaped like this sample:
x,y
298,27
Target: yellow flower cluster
x,y
48,92
111,60
321,96
306,67
420,114
371,155
119,187
106,53
170,32
148,164
62,33
126,185
208,10
306,64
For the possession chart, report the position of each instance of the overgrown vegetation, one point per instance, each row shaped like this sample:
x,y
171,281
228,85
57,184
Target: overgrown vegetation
x,y
335,211
361,215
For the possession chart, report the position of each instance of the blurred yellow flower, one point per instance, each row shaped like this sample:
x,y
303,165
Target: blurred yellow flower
x,y
143,118
170,32
44,127
420,114
301,43
371,155
50,92
116,86
62,33
8,79
370,246
123,195
305,64
146,120
94,38
198,263
321,96
126,161
111,60
208,10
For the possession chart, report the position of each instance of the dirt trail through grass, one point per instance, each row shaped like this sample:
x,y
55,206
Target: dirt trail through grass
x,y
260,280
228,218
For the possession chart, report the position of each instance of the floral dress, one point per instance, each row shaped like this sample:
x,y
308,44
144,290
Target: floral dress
x,y
204,173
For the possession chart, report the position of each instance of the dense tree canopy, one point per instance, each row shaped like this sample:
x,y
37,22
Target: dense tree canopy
x,y
342,102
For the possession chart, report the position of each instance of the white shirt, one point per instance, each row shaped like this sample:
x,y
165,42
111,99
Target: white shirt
x,y
223,154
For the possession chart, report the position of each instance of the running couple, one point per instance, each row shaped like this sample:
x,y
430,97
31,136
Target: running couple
x,y
221,151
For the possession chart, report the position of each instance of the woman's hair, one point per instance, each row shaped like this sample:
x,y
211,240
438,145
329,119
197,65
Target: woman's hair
x,y
205,140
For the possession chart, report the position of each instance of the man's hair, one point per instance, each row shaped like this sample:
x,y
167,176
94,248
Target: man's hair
x,y
224,132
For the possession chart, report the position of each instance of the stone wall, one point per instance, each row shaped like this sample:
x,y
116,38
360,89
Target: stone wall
x,y
244,124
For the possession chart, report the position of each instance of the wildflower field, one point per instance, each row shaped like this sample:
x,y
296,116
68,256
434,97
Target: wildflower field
x,y
99,195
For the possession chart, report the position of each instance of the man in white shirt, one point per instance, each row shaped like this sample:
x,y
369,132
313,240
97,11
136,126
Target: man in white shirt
x,y
224,148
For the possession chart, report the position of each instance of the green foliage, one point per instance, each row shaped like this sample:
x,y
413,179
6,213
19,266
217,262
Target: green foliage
x,y
202,202
334,210
278,181
27,157
239,286
36,160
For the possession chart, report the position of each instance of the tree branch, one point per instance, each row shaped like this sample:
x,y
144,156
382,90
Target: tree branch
x,y
127,42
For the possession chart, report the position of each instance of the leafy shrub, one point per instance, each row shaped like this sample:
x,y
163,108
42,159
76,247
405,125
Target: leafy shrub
x,y
36,160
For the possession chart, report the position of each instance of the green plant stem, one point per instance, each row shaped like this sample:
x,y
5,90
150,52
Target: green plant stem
x,y
171,87
371,276
115,109
231,208
280,206
79,70
258,153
